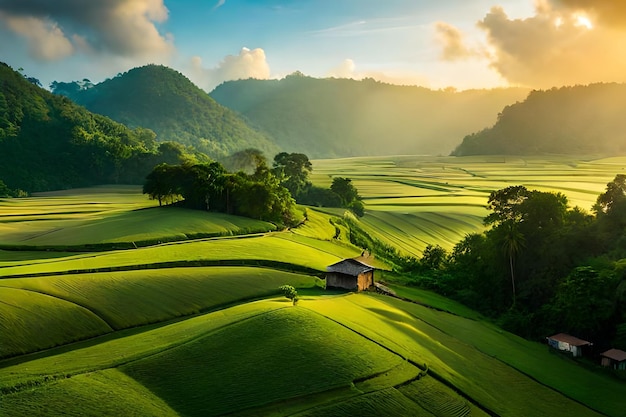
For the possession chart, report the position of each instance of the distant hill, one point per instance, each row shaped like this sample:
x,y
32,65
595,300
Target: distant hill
x,y
342,117
164,100
48,142
569,120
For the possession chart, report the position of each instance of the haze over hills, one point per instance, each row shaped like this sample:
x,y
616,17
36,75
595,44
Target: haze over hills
x,y
164,100
48,142
568,120
342,117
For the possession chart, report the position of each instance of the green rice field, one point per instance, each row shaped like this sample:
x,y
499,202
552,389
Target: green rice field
x,y
111,305
413,201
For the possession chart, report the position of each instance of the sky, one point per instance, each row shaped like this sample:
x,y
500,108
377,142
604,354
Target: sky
x,y
462,44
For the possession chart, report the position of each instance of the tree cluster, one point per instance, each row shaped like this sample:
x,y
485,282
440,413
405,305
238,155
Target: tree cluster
x,y
541,267
579,120
210,187
266,194
47,142
293,171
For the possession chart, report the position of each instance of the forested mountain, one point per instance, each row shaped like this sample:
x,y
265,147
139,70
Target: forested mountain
x,y
569,120
164,100
48,142
342,117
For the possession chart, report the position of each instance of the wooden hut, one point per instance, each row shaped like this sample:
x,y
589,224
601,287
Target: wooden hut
x,y
614,358
350,274
568,343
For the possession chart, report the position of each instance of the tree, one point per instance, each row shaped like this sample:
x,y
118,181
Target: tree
x,y
162,183
290,292
505,204
433,257
583,300
293,170
614,196
513,241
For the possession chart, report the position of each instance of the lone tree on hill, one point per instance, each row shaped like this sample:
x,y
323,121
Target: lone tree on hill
x,y
290,292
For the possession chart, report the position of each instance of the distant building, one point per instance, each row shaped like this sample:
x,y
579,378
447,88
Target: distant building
x,y
568,343
614,358
350,274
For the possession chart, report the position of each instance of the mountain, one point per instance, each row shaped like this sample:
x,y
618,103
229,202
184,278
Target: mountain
x,y
569,120
48,142
164,100
341,117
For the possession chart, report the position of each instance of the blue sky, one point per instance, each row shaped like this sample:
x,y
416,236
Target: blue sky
x,y
458,43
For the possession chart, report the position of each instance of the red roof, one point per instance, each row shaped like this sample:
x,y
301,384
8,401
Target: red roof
x,y
615,354
566,338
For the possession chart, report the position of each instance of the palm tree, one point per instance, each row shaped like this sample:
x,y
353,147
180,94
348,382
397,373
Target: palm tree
x,y
513,242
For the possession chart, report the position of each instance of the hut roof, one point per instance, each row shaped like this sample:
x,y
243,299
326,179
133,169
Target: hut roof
x,y
349,267
615,354
566,338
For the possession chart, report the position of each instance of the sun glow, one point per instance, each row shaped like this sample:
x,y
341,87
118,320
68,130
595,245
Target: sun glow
x,y
584,21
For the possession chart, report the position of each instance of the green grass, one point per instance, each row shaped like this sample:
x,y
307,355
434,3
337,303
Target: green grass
x,y
276,247
405,328
295,352
125,299
330,355
121,347
31,321
102,393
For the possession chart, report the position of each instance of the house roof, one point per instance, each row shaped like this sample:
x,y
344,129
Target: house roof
x,y
615,354
349,267
566,338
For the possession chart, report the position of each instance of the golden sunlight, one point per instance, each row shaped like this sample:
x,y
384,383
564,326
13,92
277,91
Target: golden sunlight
x,y
584,21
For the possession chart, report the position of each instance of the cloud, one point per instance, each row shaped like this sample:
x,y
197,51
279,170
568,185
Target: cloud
x,y
347,69
219,4
46,40
560,45
611,12
250,63
123,28
452,41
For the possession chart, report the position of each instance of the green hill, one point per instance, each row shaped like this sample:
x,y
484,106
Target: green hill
x,y
569,120
162,99
47,142
327,118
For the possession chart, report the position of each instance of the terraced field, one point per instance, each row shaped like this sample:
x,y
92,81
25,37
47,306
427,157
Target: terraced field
x,y
414,201
195,325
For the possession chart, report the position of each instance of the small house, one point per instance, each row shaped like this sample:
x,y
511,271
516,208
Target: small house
x,y
568,343
614,358
350,274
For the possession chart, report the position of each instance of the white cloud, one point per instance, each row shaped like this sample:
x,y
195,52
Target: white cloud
x,y
249,63
125,28
46,41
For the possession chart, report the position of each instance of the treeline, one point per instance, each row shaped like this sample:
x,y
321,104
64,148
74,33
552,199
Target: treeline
x,y
580,120
165,101
327,118
541,267
47,142
268,194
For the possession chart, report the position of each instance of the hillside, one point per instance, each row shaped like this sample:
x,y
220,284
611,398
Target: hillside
x,y
569,120
162,99
327,118
47,142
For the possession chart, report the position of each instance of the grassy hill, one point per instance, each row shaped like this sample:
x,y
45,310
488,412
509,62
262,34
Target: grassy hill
x,y
327,118
569,120
197,326
162,99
